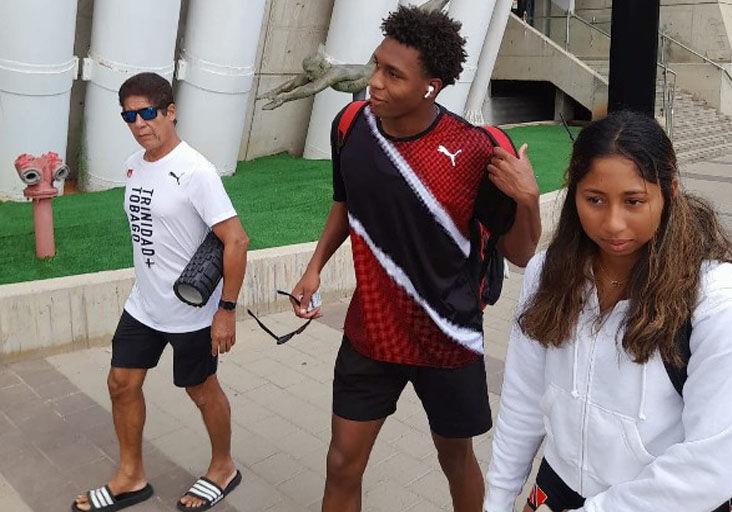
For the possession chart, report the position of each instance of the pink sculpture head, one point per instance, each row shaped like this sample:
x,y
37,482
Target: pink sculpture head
x,y
40,173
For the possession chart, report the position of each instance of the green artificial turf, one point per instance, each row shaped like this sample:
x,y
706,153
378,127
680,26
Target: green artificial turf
x,y
280,199
549,150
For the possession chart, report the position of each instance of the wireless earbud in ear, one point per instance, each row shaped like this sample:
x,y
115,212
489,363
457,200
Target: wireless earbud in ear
x,y
430,90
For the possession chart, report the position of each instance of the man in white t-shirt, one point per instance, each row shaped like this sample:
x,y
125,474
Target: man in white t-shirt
x,y
173,198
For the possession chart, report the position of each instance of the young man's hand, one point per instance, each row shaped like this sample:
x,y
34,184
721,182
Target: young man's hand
x,y
513,176
223,332
308,284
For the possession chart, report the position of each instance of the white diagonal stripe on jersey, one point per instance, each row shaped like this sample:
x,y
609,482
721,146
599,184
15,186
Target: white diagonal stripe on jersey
x,y
469,338
435,208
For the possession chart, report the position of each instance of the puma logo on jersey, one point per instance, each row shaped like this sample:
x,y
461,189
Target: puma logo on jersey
x,y
452,156
171,173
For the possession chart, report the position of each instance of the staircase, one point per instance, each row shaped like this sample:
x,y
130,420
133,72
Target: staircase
x,y
700,132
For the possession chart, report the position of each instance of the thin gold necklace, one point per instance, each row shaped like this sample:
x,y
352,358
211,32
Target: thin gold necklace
x,y
615,283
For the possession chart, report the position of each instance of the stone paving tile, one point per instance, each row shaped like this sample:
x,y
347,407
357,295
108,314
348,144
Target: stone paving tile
x,y
278,468
54,445
10,500
388,495
281,403
57,438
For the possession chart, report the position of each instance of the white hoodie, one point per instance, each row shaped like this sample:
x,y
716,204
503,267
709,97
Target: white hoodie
x,y
615,431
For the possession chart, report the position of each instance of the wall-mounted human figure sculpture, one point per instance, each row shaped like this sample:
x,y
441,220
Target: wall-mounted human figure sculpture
x,y
320,72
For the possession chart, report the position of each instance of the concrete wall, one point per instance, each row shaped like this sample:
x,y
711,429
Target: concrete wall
x,y
704,25
78,90
74,312
293,29
707,83
69,313
526,54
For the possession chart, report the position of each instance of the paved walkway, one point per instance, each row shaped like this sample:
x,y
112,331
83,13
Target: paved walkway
x,y
56,435
713,180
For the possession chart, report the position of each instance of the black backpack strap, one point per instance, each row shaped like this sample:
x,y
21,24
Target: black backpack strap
x,y
679,374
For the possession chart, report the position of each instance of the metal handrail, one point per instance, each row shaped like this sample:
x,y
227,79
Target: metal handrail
x,y
669,89
661,34
695,53
589,24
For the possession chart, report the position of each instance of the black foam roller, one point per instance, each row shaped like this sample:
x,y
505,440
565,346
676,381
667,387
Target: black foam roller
x,y
202,274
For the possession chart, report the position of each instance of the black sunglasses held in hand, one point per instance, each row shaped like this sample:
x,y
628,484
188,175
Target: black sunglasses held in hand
x,y
287,337
147,114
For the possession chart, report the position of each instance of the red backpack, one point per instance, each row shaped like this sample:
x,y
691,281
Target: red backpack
x,y
492,264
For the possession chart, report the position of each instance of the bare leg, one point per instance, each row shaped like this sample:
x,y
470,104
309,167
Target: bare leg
x,y
460,466
350,446
214,407
128,413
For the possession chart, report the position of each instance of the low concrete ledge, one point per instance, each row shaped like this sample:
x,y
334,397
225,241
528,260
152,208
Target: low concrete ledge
x,y
69,313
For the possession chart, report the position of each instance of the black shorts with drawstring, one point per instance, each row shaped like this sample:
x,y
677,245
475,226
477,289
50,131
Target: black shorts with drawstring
x,y
135,345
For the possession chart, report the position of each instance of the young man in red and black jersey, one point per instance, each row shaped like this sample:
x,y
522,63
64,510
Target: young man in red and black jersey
x,y
411,183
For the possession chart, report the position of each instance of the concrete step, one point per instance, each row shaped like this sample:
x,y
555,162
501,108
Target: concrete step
x,y
699,116
694,118
700,138
699,143
696,110
703,154
693,128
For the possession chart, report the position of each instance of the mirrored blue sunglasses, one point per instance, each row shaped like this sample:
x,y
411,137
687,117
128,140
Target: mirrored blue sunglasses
x,y
147,114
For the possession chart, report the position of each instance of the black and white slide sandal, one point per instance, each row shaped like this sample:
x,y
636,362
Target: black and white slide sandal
x,y
209,492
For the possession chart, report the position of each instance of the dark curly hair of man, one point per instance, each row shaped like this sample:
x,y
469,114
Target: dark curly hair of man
x,y
434,35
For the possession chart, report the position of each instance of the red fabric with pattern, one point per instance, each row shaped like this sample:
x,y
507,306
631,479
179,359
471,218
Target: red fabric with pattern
x,y
455,188
386,324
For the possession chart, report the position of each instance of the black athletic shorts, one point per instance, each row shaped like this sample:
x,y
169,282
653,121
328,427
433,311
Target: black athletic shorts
x,y
455,399
551,490
135,345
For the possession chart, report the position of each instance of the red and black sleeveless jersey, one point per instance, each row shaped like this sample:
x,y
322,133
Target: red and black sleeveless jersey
x,y
413,207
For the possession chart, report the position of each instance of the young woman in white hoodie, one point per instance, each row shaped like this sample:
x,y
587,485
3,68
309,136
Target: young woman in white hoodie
x,y
600,328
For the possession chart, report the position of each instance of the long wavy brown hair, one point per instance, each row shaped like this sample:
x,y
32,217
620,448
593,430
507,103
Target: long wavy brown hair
x,y
663,285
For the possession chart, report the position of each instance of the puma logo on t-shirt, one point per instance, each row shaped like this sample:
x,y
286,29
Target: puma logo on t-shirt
x,y
171,173
452,156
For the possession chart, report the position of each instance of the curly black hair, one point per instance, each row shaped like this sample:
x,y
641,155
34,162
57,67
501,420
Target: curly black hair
x,y
434,35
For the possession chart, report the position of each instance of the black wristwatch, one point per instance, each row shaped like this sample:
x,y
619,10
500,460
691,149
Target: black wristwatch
x,y
227,305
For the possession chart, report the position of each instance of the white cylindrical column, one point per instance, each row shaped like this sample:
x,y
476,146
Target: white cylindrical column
x,y
127,38
488,55
37,69
349,18
215,76
475,17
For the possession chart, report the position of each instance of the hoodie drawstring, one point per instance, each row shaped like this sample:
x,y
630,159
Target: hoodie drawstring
x,y
642,406
575,391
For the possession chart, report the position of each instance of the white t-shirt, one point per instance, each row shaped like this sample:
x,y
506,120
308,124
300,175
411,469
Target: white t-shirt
x,y
171,204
